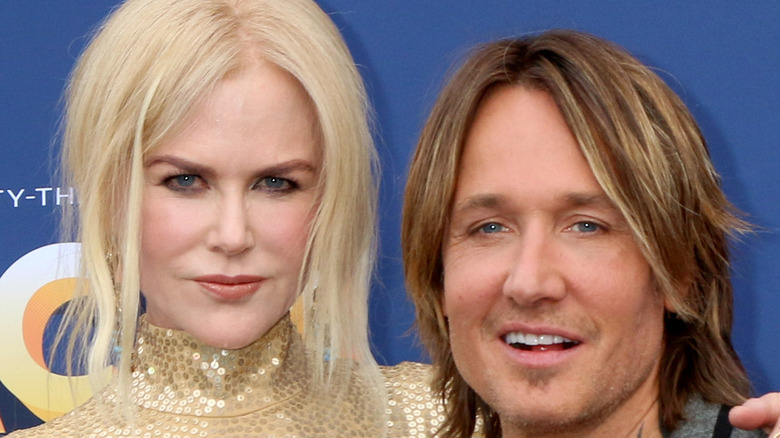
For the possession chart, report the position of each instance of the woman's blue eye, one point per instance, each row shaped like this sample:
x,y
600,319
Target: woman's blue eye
x,y
586,227
185,180
276,183
182,183
492,227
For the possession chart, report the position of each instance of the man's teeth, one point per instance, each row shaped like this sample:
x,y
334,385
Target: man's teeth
x,y
532,339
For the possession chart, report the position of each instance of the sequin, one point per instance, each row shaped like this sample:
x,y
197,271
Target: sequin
x,y
185,389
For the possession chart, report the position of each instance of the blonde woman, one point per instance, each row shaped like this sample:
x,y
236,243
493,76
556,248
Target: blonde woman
x,y
224,167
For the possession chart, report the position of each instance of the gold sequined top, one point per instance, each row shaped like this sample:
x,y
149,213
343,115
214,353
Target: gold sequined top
x,y
183,388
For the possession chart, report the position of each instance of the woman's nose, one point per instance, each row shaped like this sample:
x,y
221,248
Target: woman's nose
x,y
232,233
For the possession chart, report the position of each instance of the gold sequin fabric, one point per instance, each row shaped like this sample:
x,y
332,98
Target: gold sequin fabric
x,y
184,389
412,409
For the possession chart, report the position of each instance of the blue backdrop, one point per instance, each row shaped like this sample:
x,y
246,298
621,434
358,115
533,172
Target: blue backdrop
x,y
722,57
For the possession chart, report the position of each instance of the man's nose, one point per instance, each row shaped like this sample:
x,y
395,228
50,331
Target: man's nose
x,y
534,272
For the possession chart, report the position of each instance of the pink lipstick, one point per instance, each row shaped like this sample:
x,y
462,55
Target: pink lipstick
x,y
230,288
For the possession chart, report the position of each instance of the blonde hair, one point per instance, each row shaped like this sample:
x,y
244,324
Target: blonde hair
x,y
136,83
648,155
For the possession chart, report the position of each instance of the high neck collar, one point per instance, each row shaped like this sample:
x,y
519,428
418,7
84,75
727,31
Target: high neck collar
x,y
173,372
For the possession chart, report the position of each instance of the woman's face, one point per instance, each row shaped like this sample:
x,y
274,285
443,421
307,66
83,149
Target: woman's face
x,y
226,211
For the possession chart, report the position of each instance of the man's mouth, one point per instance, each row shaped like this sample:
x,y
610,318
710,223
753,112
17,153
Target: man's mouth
x,y
535,342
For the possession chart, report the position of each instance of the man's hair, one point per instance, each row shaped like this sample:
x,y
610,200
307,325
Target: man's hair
x,y
648,155
136,85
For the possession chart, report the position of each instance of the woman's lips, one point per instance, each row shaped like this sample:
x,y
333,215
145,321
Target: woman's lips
x,y
230,288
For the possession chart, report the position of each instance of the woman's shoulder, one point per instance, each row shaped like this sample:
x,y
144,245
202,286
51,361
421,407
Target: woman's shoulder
x,y
408,370
408,379
415,411
84,421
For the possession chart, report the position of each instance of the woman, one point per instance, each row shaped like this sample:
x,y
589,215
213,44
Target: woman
x,y
223,162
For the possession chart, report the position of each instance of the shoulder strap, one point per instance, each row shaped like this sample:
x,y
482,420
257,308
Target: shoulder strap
x,y
722,426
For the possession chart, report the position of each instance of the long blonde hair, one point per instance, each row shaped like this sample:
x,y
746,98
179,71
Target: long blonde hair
x,y
142,73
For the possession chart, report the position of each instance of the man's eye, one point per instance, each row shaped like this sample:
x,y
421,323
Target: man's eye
x,y
491,227
586,227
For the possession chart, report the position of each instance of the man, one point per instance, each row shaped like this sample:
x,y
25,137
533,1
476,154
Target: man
x,y
565,242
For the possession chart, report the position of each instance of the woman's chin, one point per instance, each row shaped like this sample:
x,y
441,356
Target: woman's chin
x,y
230,338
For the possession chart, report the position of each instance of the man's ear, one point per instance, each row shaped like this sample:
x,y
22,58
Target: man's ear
x,y
668,305
683,289
442,295
441,316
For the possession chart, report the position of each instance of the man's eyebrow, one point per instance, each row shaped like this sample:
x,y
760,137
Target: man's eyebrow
x,y
569,200
478,201
589,200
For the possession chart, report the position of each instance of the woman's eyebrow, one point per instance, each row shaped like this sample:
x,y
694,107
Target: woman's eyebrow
x,y
188,166
182,163
288,167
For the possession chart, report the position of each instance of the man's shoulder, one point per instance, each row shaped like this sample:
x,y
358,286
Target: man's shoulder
x,y
702,418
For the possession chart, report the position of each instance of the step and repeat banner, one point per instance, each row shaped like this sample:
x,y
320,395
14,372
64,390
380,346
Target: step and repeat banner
x,y
721,57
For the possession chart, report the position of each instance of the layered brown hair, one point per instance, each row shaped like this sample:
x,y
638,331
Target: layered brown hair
x,y
649,156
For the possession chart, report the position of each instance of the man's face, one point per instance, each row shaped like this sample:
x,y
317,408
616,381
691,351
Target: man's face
x,y
553,314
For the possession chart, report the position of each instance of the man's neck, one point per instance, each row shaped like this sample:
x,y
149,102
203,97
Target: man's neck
x,y
650,426
631,420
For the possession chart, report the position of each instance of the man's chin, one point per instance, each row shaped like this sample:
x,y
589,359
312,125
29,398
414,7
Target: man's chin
x,y
550,405
557,420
